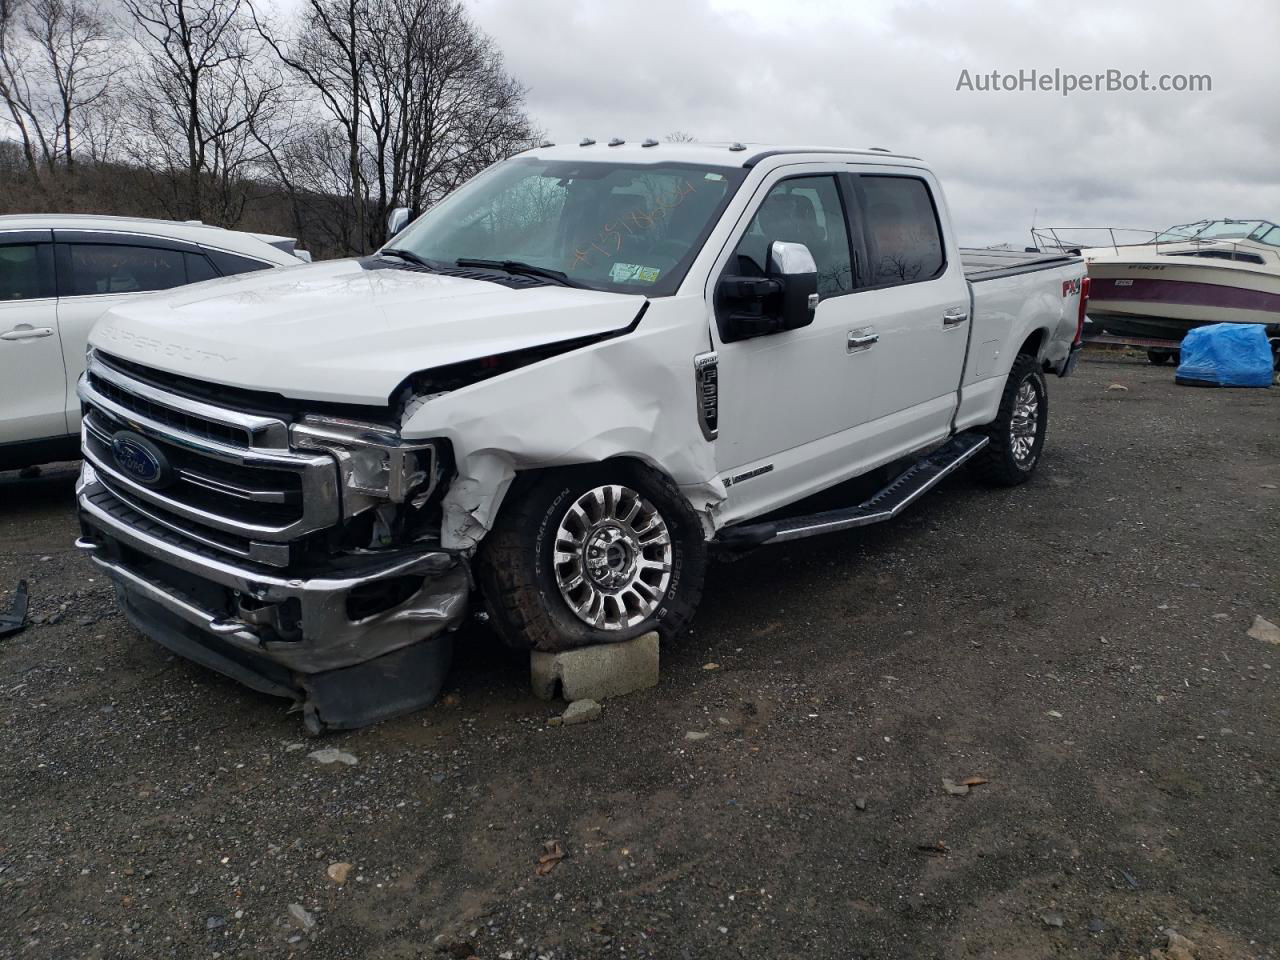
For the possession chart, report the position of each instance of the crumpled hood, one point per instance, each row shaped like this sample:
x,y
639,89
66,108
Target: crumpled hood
x,y
340,331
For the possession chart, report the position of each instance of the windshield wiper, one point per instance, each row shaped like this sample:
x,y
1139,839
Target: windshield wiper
x,y
520,268
407,255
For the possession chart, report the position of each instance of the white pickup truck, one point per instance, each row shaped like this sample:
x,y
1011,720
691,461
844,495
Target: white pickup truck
x,y
557,390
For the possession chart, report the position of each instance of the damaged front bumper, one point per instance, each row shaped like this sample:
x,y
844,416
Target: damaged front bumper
x,y
363,639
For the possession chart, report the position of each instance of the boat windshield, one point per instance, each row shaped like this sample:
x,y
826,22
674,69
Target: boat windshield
x,y
623,227
1214,230
1268,233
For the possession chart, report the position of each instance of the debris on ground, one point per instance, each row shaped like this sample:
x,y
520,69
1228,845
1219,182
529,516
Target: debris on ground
x,y
301,917
552,853
1177,947
580,711
696,735
860,803
1053,713
1096,925
338,872
962,788
1051,918
937,848
1264,630
1117,388
711,666
15,618
333,755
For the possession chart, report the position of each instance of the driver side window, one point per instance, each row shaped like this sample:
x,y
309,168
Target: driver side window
x,y
801,210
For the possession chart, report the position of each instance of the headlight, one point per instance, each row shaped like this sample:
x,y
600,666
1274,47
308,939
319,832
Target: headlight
x,y
376,464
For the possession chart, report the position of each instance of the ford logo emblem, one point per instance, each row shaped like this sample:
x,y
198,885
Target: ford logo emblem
x,y
141,459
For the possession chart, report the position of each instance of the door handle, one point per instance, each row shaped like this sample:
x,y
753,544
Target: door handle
x,y
27,333
859,340
952,317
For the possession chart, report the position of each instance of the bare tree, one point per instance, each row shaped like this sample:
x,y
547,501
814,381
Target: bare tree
x,y
414,95
56,64
325,55
199,92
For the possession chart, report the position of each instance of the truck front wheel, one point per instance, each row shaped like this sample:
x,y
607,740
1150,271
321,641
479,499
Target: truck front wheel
x,y
595,554
1017,433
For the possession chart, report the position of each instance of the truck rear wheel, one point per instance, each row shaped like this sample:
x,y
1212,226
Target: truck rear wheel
x,y
1017,433
597,554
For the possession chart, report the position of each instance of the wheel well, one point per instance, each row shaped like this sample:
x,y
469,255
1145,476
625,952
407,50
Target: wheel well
x,y
526,478
1033,343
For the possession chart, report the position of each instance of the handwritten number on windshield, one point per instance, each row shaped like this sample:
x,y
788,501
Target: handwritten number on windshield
x,y
612,235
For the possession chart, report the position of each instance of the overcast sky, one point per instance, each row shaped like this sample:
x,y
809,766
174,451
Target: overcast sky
x,y
884,73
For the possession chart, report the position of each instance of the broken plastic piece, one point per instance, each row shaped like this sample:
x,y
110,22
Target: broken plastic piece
x,y
16,617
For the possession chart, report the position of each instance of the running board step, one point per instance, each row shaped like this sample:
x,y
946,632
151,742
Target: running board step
x,y
908,487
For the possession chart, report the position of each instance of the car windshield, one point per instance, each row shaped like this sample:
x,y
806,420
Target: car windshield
x,y
629,228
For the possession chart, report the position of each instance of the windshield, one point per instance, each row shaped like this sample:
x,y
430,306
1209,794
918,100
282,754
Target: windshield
x,y
1211,230
630,228
1268,233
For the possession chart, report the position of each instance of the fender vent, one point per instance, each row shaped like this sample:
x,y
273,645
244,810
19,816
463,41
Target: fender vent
x,y
706,371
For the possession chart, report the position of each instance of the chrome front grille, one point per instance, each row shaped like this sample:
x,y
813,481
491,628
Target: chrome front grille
x,y
235,485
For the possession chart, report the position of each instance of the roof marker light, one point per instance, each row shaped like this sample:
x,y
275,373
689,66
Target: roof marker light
x,y
881,149
649,142
735,147
616,142
585,142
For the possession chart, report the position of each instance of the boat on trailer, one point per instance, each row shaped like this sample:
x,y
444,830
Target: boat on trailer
x,y
1158,288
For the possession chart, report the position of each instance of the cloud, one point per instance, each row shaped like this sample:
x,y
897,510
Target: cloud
x,y
884,73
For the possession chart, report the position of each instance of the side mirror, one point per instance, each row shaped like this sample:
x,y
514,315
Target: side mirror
x,y
784,299
397,220
793,265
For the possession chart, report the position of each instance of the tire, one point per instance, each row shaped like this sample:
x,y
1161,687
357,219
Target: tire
x,y
530,597
1159,357
1004,462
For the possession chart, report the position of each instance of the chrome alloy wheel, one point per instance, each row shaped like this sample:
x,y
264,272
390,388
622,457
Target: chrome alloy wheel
x,y
1025,424
612,557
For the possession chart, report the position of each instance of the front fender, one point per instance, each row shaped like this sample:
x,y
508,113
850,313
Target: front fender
x,y
629,396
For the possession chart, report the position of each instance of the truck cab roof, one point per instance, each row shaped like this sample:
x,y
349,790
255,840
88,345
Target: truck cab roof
x,y
713,153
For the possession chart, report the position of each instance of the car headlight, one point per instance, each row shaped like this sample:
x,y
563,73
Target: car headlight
x,y
377,465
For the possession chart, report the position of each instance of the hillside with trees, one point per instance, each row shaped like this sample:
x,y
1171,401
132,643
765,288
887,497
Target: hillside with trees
x,y
313,126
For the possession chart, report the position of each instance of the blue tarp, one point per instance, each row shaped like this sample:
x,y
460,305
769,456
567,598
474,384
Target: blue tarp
x,y
1225,355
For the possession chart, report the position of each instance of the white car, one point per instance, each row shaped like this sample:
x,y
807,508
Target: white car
x,y
58,275
572,378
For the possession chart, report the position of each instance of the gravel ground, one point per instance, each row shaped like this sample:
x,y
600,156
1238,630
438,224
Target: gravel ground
x,y
1079,643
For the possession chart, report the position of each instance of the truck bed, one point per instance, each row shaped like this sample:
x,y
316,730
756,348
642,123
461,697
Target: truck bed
x,y
982,264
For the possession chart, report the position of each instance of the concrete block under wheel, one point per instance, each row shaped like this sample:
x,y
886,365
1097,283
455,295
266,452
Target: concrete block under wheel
x,y
597,672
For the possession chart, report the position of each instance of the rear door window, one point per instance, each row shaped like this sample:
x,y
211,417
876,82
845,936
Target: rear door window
x,y
102,268
230,263
199,268
25,271
900,225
